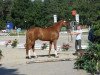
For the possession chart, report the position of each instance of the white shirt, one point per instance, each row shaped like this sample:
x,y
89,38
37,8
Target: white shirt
x,y
78,37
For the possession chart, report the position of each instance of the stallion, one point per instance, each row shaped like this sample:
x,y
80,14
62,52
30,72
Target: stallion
x,y
50,34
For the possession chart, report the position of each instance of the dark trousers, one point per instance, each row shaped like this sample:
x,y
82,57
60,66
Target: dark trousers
x,y
78,44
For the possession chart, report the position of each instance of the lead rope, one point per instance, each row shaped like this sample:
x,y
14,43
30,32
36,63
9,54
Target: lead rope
x,y
71,37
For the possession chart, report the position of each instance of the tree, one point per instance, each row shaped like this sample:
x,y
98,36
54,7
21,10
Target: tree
x,y
5,9
19,12
25,13
88,10
38,13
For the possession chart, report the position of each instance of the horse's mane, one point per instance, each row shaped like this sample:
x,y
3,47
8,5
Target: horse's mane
x,y
56,23
32,27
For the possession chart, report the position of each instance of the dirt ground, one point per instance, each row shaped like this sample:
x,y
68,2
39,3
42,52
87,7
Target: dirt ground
x,y
16,56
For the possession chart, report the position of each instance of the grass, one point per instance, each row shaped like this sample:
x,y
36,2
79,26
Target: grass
x,y
16,34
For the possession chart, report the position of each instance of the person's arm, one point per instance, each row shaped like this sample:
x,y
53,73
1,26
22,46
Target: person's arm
x,y
75,33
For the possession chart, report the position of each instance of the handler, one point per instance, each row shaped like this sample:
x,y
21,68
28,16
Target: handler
x,y
78,38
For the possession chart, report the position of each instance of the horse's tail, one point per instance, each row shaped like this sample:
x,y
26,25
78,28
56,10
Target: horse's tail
x,y
27,39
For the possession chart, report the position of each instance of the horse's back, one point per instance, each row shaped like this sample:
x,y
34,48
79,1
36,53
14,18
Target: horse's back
x,y
45,34
32,32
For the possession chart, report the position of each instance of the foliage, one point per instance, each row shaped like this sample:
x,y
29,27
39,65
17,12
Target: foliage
x,y
89,13
89,60
1,54
14,43
44,46
5,9
2,24
65,47
96,28
19,12
99,66
5,12
88,10
25,13
37,13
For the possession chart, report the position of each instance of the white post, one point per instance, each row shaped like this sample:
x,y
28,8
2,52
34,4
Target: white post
x,y
42,0
77,18
55,18
32,0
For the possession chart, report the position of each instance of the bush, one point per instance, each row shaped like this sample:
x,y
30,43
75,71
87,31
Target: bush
x,y
2,24
90,61
1,54
44,46
65,47
14,43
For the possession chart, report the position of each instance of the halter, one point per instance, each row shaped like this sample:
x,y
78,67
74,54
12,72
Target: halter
x,y
64,21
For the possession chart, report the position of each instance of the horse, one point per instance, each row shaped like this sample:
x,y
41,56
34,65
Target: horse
x,y
50,34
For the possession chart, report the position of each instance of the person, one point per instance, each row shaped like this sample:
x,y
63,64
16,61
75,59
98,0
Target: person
x,y
92,37
78,38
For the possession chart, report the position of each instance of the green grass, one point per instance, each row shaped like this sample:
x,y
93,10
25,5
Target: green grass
x,y
16,34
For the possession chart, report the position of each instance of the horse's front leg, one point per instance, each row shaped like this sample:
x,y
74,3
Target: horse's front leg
x,y
28,53
27,57
50,46
55,47
28,48
34,54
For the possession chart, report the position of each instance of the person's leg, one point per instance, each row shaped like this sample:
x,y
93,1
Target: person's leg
x,y
76,44
80,51
79,44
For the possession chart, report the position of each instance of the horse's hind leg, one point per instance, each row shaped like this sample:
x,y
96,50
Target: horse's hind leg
x,y
28,49
50,46
28,55
55,47
34,54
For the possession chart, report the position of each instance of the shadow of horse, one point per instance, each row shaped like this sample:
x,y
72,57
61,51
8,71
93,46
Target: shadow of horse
x,y
5,71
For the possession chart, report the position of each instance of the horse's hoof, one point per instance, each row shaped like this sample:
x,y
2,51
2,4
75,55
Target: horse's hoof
x,y
34,56
27,57
56,56
49,56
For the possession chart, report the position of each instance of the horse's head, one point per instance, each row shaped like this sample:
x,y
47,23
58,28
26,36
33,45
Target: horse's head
x,y
61,23
65,23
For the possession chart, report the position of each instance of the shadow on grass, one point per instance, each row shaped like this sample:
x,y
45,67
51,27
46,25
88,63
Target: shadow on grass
x,y
5,71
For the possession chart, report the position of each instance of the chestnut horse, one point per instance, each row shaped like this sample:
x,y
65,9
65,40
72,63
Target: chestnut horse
x,y
50,34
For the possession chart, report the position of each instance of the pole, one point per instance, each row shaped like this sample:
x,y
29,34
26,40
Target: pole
x,y
55,18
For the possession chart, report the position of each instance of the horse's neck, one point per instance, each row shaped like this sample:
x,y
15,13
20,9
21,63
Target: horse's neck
x,y
58,26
